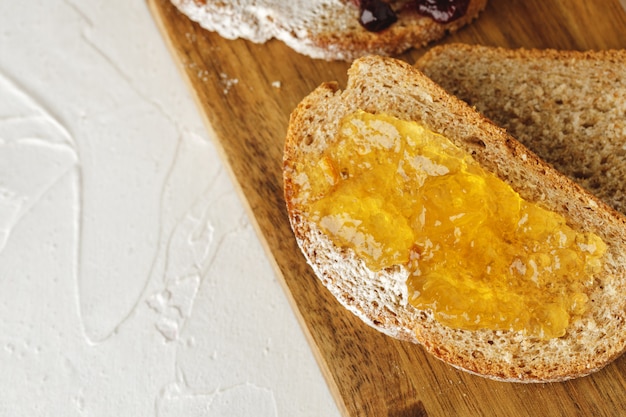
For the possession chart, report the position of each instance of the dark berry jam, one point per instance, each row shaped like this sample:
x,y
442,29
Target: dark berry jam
x,y
376,15
443,11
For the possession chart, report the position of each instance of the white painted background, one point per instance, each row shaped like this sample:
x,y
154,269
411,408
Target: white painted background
x,y
131,282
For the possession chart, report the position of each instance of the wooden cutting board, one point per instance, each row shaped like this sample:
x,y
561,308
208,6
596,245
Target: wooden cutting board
x,y
246,92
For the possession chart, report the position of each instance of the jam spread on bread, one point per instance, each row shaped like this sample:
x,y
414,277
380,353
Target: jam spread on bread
x,y
442,11
479,256
377,15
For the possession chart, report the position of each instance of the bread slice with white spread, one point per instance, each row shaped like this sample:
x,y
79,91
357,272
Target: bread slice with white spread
x,y
325,29
381,298
569,107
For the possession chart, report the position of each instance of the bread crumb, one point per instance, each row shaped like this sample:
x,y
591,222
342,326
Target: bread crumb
x,y
276,84
228,83
203,75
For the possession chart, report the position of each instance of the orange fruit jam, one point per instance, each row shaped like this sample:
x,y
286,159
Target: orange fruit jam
x,y
479,256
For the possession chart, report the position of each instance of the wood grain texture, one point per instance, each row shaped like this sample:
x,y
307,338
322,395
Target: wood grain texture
x,y
246,92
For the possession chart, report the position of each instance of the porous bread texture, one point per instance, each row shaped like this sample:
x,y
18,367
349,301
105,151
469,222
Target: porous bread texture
x,y
325,29
386,85
569,107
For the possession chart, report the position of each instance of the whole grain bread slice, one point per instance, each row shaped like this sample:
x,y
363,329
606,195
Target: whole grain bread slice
x,y
569,107
325,29
386,85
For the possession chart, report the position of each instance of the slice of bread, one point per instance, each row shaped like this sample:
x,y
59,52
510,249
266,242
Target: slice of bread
x,y
380,299
326,29
568,107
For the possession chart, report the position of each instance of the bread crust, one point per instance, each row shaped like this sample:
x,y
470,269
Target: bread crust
x,y
324,29
378,85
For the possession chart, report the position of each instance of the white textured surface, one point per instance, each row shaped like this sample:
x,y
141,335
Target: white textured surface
x,y
131,283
